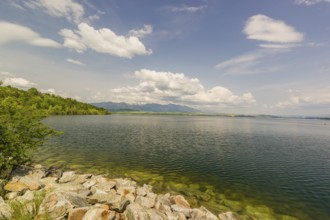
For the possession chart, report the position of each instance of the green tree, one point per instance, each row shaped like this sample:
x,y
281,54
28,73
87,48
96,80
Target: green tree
x,y
21,131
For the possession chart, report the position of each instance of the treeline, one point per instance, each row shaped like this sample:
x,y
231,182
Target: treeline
x,y
50,104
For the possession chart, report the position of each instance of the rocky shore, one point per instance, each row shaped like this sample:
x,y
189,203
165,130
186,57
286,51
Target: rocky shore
x,y
48,193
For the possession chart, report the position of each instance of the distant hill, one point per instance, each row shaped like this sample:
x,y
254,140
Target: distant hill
x,y
47,103
153,107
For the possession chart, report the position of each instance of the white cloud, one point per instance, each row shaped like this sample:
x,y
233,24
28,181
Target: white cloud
x,y
17,33
263,28
6,74
76,62
250,63
249,59
146,30
301,99
167,87
278,46
69,9
186,8
103,41
18,82
310,2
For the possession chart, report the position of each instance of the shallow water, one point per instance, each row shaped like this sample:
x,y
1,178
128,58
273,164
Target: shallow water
x,y
264,168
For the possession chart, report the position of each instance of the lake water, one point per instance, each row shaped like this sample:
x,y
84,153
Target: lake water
x,y
264,168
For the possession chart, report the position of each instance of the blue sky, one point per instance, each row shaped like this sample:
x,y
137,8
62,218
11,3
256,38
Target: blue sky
x,y
249,57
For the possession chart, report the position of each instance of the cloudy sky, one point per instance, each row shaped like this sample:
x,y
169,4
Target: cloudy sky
x,y
243,56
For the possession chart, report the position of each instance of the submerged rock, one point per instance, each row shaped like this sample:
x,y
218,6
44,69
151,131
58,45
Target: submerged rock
x,y
227,216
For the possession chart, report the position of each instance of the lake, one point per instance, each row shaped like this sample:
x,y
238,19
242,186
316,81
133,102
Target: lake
x,y
265,168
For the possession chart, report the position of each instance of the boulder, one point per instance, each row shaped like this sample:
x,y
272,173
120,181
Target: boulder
x,y
202,214
156,215
186,211
124,190
77,213
101,196
135,211
67,177
53,172
99,214
180,201
104,186
118,203
58,204
82,178
147,201
125,183
15,186
89,183
31,181
144,190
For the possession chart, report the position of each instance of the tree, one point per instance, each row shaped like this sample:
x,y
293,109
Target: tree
x,y
21,131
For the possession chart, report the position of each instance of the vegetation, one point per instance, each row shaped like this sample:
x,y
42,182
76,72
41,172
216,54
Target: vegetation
x,y
21,129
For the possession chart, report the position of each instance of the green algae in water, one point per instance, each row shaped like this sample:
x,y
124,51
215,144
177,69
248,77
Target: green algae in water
x,y
242,163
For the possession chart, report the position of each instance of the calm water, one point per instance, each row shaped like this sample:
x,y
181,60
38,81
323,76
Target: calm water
x,y
265,168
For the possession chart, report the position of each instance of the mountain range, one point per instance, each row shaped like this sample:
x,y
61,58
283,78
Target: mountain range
x,y
152,107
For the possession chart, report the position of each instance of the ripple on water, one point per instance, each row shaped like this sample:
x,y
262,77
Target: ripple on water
x,y
274,167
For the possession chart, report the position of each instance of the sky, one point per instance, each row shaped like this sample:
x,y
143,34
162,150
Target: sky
x,y
242,56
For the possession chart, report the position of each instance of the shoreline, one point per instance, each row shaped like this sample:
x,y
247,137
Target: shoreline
x,y
50,193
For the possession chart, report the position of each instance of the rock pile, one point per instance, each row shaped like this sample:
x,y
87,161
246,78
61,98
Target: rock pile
x,y
53,194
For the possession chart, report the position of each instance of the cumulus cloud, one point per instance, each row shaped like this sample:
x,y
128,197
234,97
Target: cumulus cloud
x,y
103,40
186,8
301,99
76,62
168,87
18,82
17,33
277,33
310,2
69,9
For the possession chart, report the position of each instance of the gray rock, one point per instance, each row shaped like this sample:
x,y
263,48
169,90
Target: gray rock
x,y
31,181
147,201
53,172
88,184
77,213
67,177
227,216
135,211
101,196
58,204
125,183
5,210
156,215
180,201
99,214
104,186
144,190
202,214
82,178
118,203
186,211
124,190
